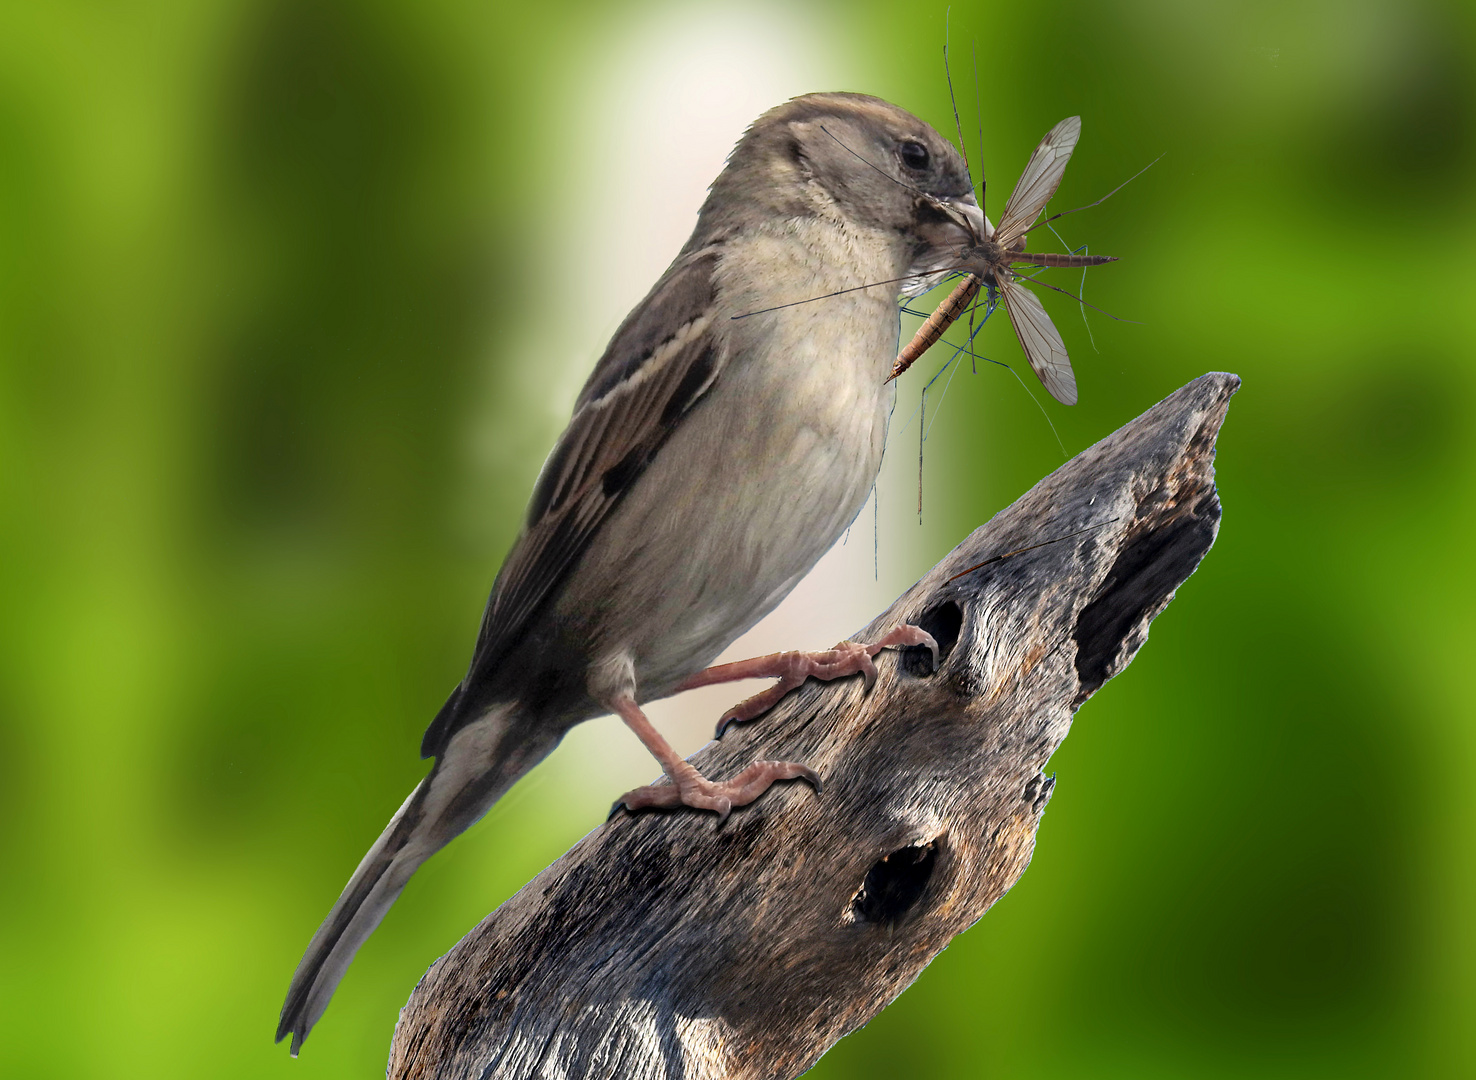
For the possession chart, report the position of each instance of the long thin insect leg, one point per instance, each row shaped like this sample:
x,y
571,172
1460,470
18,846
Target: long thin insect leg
x,y
973,360
932,199
924,428
922,414
1020,551
1062,239
855,288
958,351
1091,337
1109,195
975,332
953,99
978,112
1010,368
1088,303
989,310
1076,251
900,183
939,406
1069,249
1041,407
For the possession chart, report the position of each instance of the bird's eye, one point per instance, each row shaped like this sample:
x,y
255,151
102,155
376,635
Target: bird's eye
x,y
914,155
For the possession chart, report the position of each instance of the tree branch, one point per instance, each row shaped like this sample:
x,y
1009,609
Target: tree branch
x,y
661,946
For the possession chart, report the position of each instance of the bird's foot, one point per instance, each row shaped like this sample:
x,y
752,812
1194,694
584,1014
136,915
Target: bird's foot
x,y
690,788
793,668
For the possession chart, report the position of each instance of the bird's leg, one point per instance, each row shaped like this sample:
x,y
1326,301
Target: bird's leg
x,y
689,787
793,668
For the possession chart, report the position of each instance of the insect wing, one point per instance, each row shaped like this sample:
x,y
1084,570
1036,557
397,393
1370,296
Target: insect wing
x,y
1042,344
1039,181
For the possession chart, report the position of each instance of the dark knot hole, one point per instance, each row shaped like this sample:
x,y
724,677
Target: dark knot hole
x,y
895,883
944,622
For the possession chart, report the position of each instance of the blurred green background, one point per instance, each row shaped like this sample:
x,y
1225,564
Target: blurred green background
x,y
295,295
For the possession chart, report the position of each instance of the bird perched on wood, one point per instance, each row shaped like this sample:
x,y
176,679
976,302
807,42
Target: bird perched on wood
x,y
724,441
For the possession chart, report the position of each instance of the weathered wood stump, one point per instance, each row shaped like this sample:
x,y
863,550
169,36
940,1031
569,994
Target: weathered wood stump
x,y
663,946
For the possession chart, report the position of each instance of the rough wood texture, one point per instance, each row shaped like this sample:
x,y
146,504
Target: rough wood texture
x,y
662,946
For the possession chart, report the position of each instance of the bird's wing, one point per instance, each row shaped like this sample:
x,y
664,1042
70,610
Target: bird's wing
x,y
660,363
1039,181
1042,343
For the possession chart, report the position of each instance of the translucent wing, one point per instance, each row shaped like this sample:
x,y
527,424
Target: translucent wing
x,y
1042,344
1039,181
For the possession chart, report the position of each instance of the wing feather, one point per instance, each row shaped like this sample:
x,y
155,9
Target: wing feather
x,y
1039,181
620,431
664,358
1042,343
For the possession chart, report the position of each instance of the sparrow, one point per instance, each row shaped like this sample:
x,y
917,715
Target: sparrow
x,y
727,437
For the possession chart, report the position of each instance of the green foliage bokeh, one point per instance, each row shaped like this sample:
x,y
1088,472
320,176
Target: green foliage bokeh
x,y
264,436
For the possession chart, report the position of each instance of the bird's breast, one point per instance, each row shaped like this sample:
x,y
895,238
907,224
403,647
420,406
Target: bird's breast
x,y
757,482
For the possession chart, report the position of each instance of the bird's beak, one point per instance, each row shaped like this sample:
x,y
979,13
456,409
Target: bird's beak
x,y
947,236
966,212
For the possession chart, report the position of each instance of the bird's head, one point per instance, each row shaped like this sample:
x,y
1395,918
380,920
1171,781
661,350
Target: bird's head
x,y
859,158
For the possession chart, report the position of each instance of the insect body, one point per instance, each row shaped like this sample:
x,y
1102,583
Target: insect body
x,y
988,264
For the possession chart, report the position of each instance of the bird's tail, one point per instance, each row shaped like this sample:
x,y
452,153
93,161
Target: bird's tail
x,y
481,761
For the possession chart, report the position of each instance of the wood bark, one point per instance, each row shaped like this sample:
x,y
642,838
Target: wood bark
x,y
663,946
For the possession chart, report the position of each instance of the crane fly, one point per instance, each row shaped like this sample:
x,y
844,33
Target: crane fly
x,y
987,265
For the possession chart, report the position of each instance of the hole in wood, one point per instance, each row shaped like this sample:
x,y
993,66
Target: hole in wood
x,y
944,622
895,883
1142,580
1038,791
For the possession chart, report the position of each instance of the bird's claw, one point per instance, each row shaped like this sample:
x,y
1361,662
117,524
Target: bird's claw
x,y
793,668
698,792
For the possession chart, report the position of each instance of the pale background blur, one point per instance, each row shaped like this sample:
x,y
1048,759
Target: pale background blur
x,y
296,294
